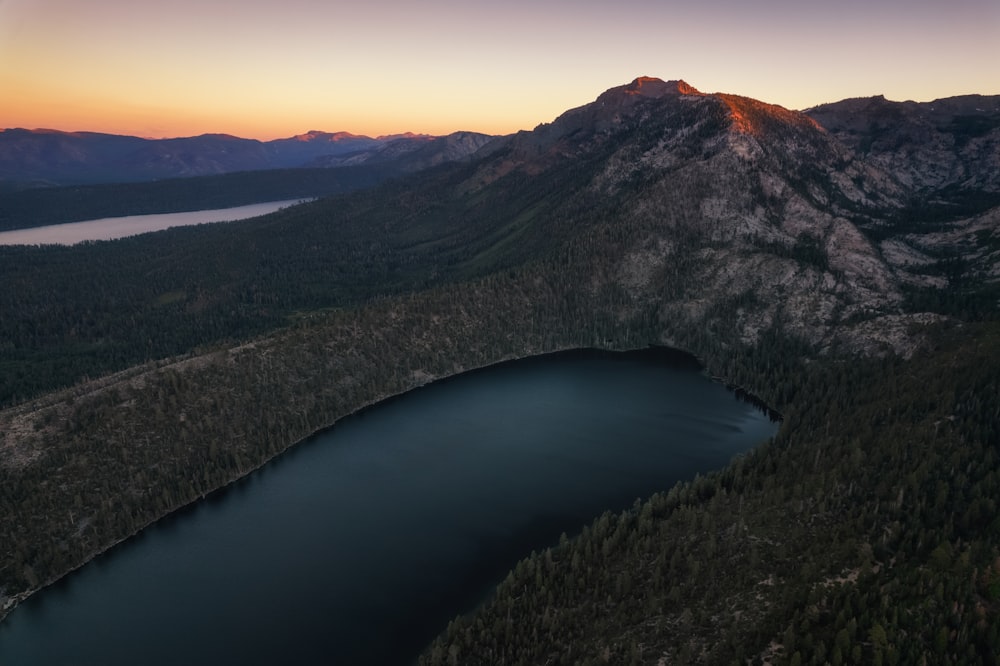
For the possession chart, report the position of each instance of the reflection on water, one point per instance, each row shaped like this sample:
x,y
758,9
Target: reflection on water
x,y
108,228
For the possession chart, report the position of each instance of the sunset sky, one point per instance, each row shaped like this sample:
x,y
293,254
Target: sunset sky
x,y
278,68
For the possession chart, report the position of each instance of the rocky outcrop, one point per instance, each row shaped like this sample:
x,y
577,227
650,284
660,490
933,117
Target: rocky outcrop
x,y
953,142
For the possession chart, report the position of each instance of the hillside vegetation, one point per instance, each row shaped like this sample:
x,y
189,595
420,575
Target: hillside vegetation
x,y
36,207
143,373
865,532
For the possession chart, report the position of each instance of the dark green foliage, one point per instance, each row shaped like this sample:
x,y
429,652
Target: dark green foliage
x,y
71,312
864,533
932,211
967,127
806,250
117,454
980,302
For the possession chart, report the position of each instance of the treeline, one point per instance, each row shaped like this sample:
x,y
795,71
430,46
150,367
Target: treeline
x,y
88,466
878,464
67,313
230,347
370,292
865,532
86,310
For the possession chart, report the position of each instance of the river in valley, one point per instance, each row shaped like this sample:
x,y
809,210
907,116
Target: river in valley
x,y
358,545
109,228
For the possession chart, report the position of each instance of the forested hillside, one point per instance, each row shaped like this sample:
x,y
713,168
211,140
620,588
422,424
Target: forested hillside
x,y
61,317
143,373
866,532
35,207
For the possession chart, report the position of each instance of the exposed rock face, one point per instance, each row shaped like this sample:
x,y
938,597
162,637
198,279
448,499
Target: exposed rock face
x,y
822,221
656,204
770,206
928,146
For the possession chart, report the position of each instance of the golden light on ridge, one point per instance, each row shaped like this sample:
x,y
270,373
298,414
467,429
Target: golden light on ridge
x,y
266,69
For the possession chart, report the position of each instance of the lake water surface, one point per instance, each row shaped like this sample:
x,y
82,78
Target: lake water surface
x,y
108,228
358,546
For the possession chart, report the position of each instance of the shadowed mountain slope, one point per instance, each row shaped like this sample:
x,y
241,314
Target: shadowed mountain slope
x,y
653,183
795,264
50,157
930,146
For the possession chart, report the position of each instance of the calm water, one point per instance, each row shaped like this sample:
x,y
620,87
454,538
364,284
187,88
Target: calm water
x,y
108,228
359,545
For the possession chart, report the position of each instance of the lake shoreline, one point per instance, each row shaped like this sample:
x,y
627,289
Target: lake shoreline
x,y
678,358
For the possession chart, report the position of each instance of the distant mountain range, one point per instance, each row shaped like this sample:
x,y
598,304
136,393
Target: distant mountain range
x,y
947,142
843,263
843,209
927,145
51,157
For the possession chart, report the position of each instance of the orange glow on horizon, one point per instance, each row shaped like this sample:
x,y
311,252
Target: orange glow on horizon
x,y
30,108
386,67
165,127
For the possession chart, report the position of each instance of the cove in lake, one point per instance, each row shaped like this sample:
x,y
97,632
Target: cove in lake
x,y
360,544
109,228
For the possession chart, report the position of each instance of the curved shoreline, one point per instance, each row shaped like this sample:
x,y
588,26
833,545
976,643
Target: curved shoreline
x,y
675,356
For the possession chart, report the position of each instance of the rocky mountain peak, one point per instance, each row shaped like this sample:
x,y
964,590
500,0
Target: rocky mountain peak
x,y
332,137
649,86
643,88
633,100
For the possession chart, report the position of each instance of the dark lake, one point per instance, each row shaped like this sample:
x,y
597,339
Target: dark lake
x,y
358,545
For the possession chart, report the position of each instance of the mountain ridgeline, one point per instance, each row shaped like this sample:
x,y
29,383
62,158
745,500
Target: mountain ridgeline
x,y
32,158
842,264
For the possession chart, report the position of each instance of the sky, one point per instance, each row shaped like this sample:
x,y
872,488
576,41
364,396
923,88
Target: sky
x,y
279,68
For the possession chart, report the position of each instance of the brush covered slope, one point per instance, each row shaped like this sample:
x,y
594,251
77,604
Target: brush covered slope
x,y
788,260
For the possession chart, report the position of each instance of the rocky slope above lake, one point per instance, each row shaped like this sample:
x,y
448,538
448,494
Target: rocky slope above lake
x,y
767,241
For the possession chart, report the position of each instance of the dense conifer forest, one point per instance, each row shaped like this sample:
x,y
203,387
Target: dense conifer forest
x,y
139,375
865,532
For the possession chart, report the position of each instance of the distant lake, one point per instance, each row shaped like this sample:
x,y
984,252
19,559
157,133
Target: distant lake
x,y
108,228
360,544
